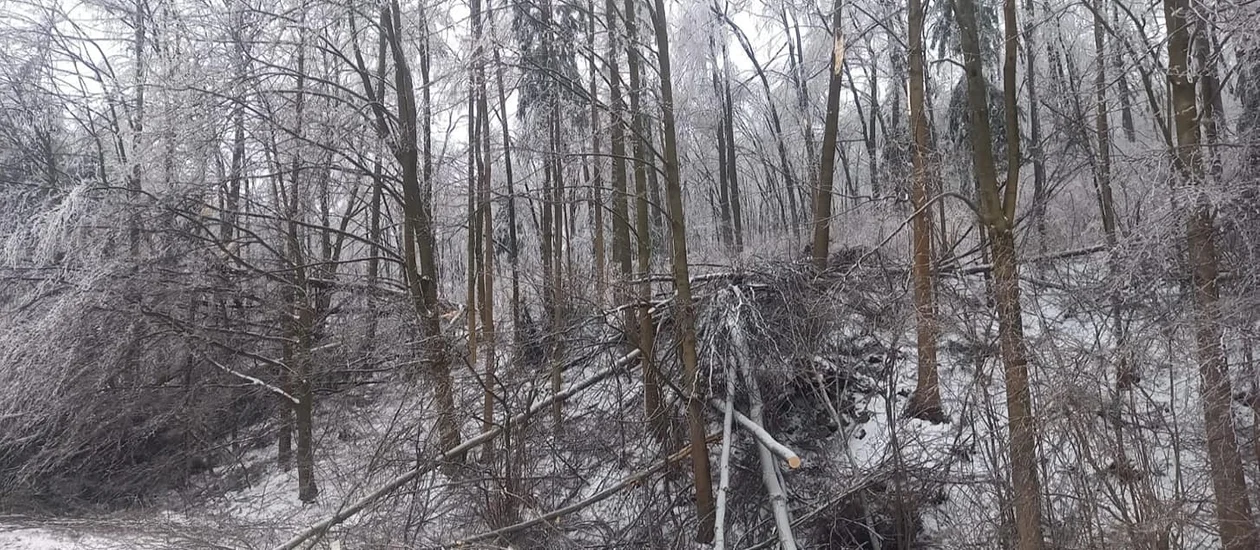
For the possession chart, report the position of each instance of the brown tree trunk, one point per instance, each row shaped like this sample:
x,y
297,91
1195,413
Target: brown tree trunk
x,y
419,255
486,215
301,321
997,207
827,166
653,399
620,199
926,402
1233,507
682,284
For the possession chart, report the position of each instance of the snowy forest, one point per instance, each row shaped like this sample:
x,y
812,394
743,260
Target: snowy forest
x,y
560,274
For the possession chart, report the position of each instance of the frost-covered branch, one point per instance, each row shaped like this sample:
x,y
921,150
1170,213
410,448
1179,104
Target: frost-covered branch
x,y
253,380
724,464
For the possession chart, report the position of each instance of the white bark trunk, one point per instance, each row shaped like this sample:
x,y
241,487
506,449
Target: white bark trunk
x,y
769,471
724,470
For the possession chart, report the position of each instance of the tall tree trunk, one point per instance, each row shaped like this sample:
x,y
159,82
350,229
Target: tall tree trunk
x,y
926,403
800,81
827,166
1035,148
304,409
726,233
620,198
737,213
419,255
593,165
1233,507
653,398
998,213
1126,376
473,215
486,215
776,125
302,315
513,244
686,313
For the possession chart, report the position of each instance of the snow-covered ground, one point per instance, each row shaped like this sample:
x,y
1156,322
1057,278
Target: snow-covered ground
x,y
366,439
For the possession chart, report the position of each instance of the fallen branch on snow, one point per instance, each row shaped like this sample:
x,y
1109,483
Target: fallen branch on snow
x,y
724,463
762,436
769,473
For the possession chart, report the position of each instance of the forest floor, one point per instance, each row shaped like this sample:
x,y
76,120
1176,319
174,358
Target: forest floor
x,y
370,435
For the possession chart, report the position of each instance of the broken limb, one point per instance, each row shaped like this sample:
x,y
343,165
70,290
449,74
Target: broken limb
x,y
763,437
769,472
724,464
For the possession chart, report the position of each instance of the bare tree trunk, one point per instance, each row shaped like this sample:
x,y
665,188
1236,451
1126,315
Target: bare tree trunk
x,y
800,82
827,167
737,215
726,232
1035,148
653,398
418,229
486,215
472,249
682,285
1126,101
1233,507
620,195
301,320
1126,376
513,244
593,165
998,213
926,402
304,409
776,125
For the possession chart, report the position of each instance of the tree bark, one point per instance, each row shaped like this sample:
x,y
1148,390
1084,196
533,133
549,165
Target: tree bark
x,y
926,402
998,214
1233,507
418,227
682,285
653,397
827,166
